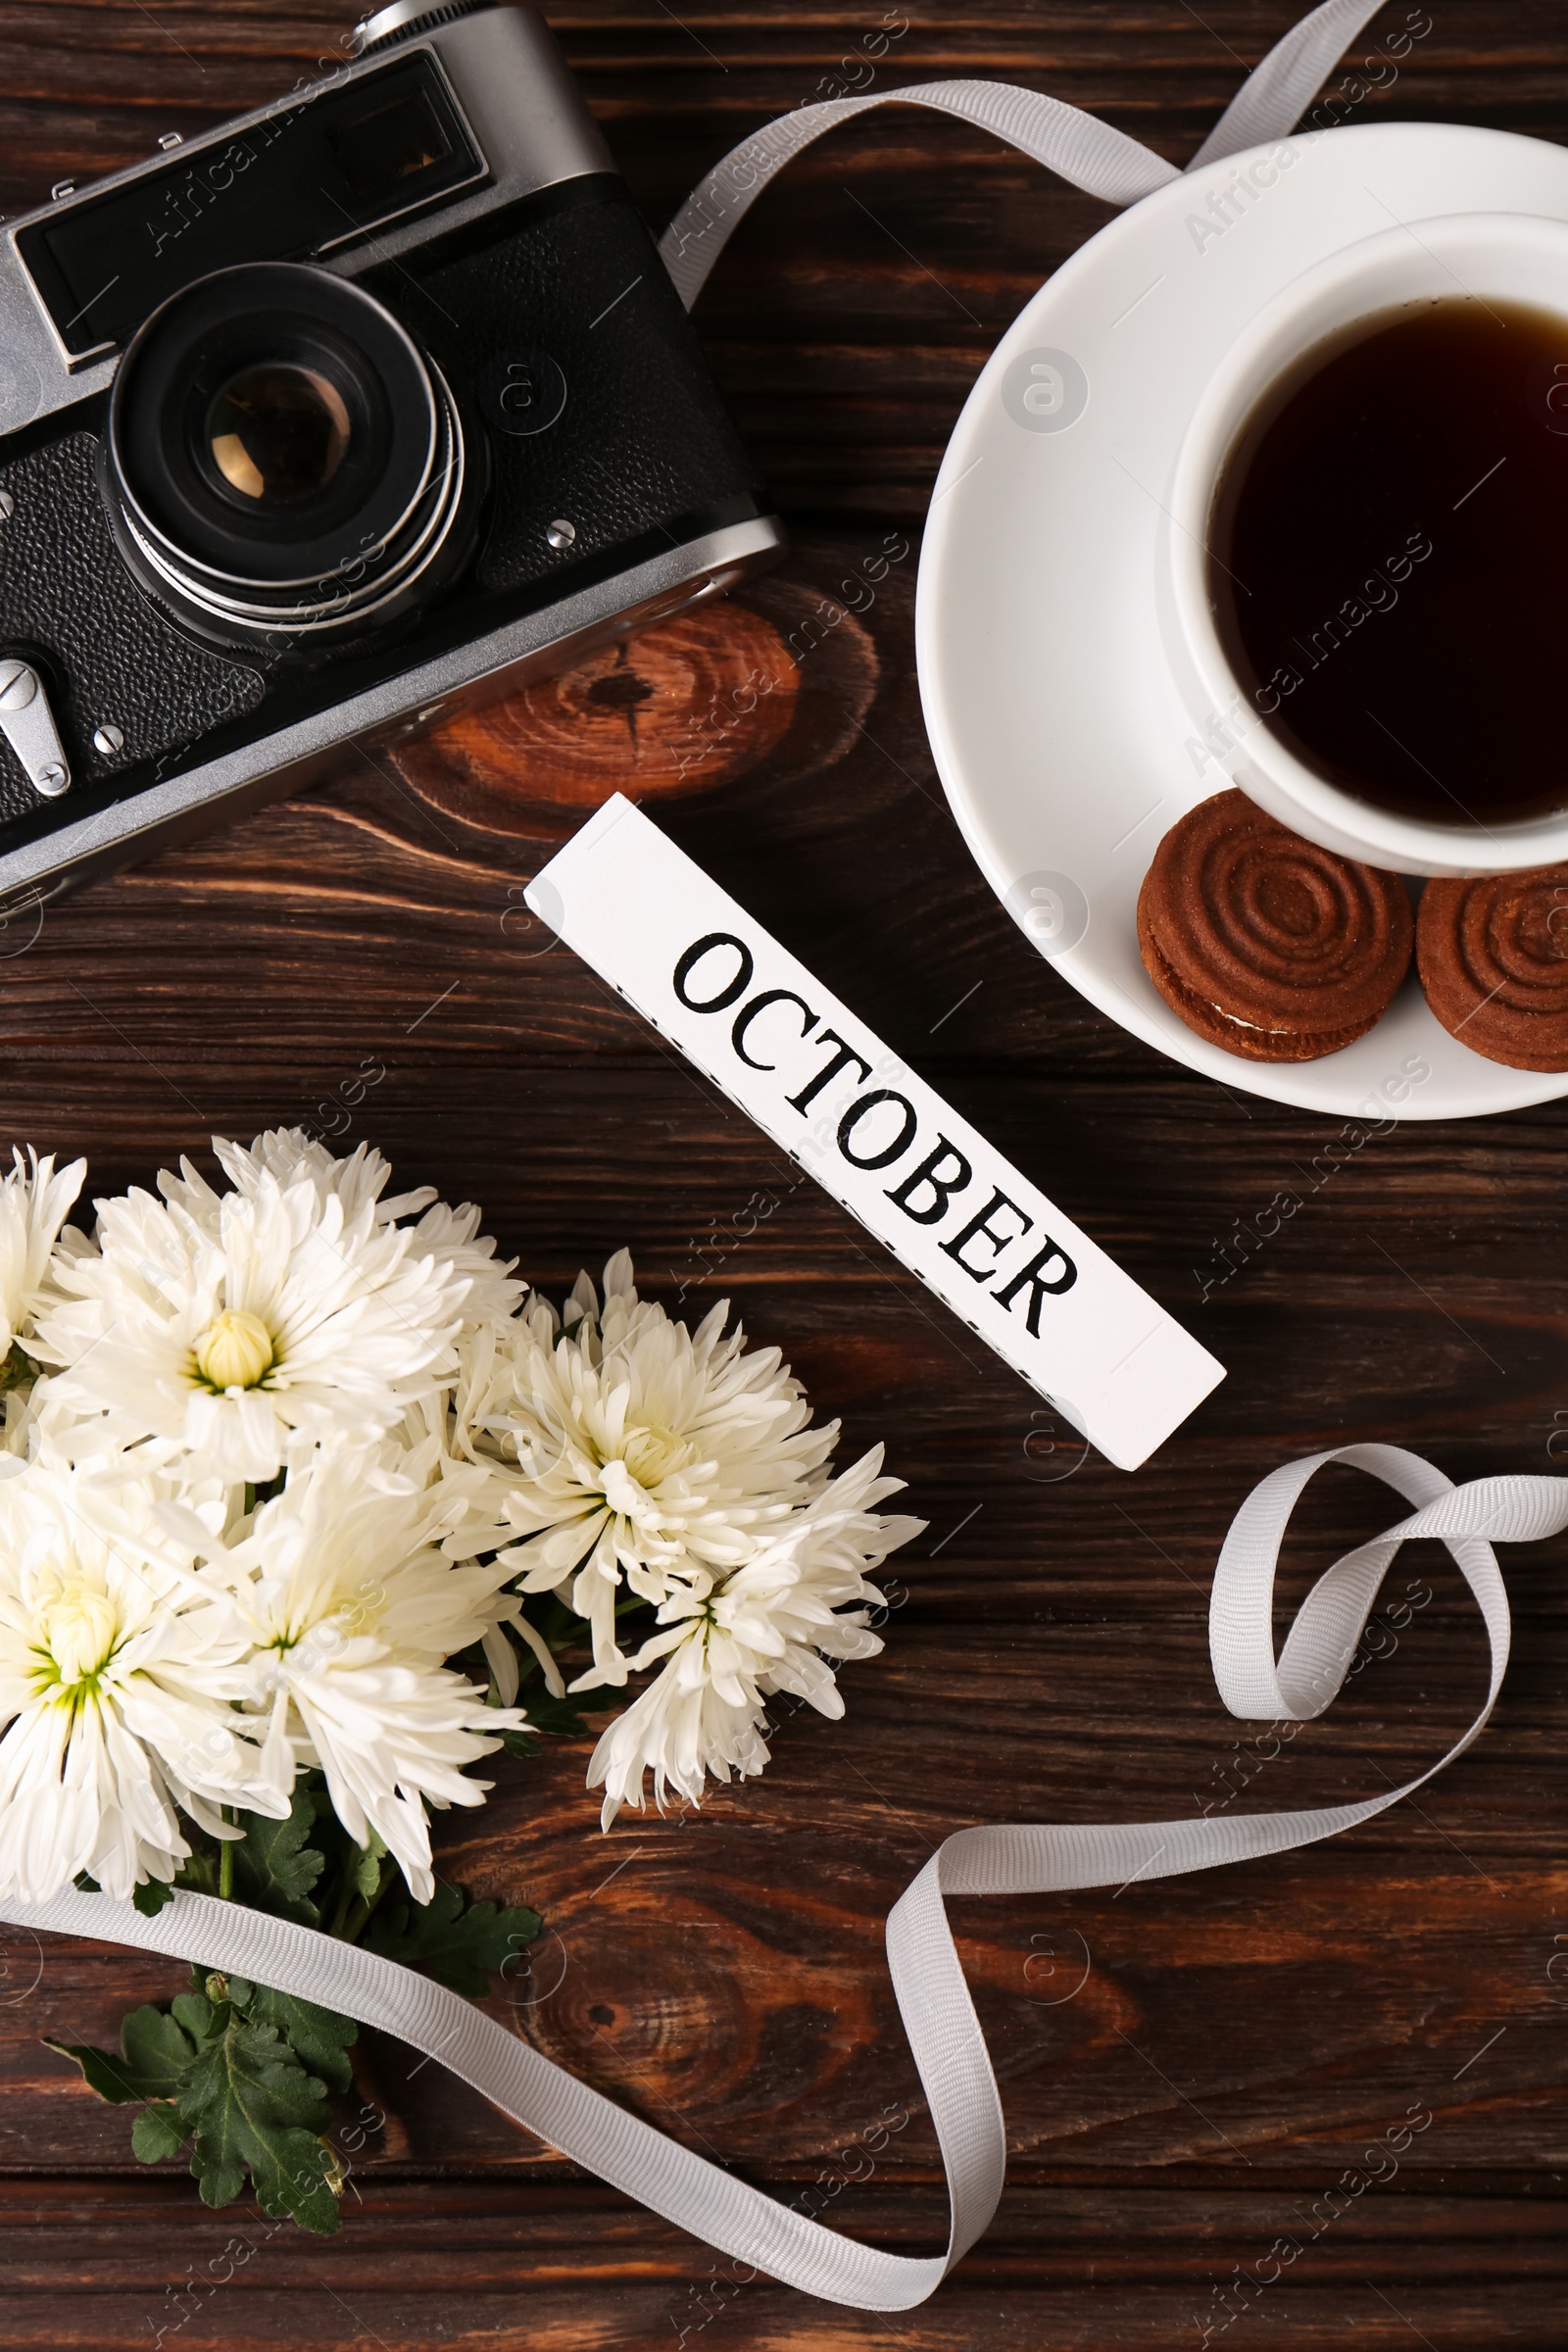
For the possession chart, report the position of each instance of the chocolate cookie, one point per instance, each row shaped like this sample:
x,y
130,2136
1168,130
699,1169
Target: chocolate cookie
x,y
1492,954
1266,944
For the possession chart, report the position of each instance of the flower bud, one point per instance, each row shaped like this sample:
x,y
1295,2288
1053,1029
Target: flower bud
x,y
79,1628
237,1352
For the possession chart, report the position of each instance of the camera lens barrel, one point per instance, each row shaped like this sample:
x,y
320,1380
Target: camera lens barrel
x,y
284,467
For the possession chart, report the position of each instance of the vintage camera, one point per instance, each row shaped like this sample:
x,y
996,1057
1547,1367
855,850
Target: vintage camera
x,y
373,404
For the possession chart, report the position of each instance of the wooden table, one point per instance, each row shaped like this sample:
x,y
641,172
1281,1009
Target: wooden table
x,y
1186,2068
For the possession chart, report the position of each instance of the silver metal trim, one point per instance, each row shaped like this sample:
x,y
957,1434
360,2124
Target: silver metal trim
x,y
469,675
28,725
365,234
389,221
413,543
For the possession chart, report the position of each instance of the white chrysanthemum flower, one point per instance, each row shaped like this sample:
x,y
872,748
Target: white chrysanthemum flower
x,y
645,1451
117,1667
454,1234
34,1203
355,1610
772,1625
227,1329
287,1153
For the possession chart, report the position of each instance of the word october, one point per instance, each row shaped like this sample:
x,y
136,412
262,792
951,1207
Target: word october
x,y
926,1193
979,1235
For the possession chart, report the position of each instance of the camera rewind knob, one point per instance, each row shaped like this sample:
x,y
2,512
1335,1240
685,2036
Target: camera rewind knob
x,y
29,727
406,20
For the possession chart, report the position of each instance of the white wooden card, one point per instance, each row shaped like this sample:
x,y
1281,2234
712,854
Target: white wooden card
x,y
990,1246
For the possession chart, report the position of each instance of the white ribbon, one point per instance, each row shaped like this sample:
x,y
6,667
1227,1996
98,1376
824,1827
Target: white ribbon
x,y
1079,146
944,2033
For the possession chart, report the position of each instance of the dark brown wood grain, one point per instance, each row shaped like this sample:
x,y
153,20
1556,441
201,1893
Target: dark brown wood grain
x,y
1186,2067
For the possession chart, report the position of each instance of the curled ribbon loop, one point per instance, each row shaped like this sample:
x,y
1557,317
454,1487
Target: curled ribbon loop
x,y
1089,152
939,2017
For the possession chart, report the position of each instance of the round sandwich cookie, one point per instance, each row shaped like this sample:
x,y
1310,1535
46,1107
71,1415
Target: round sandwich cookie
x,y
1263,943
1492,955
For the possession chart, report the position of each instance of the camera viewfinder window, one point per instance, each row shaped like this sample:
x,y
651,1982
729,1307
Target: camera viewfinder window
x,y
388,144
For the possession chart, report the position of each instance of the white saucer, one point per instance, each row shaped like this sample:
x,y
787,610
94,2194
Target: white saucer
x,y
1056,726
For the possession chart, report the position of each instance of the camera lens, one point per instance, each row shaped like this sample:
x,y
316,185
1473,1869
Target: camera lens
x,y
284,466
278,433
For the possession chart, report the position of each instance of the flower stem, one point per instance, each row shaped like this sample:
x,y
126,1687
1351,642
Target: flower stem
x,y
225,1862
353,1925
345,1904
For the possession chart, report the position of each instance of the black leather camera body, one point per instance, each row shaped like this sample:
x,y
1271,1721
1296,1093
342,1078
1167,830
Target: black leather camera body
x,y
359,409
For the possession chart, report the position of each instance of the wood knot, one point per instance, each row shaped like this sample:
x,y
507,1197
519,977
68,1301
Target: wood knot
x,y
688,704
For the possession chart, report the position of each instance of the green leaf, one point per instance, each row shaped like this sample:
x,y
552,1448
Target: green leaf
x,y
106,2075
197,1872
154,2059
277,1865
365,1871
157,2132
554,1718
150,1897
247,2102
231,2071
157,2053
319,2036
202,2019
460,1948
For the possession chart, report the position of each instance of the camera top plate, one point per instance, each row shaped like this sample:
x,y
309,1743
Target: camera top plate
x,y
498,92
315,176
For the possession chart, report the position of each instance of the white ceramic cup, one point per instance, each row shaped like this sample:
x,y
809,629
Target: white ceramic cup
x,y
1512,257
